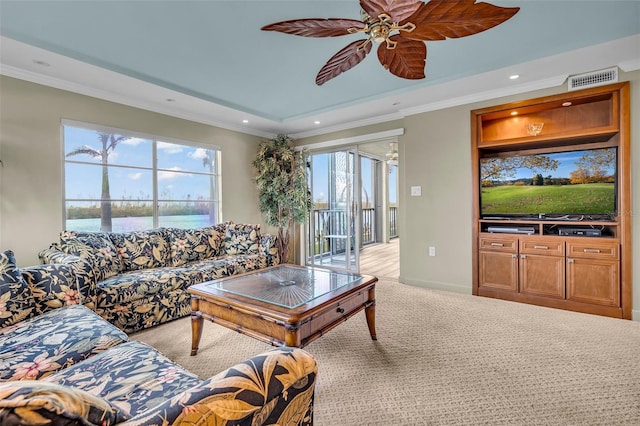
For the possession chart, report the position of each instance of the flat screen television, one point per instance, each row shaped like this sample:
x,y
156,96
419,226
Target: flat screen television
x,y
569,185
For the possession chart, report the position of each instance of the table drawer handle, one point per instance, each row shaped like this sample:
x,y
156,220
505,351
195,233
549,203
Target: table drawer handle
x,y
541,247
589,250
340,310
497,245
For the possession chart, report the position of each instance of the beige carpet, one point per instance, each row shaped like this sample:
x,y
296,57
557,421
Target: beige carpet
x,y
447,359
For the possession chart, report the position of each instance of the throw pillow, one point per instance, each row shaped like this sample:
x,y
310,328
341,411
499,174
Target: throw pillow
x,y
96,248
36,402
142,249
189,245
242,239
16,299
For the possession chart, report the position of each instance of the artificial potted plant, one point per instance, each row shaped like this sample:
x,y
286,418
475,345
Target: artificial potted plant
x,y
284,195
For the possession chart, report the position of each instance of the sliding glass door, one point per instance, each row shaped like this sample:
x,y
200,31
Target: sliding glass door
x,y
332,234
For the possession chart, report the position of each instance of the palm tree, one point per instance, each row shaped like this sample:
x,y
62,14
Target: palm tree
x,y
109,143
209,160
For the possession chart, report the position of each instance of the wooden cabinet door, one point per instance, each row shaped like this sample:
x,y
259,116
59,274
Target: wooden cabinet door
x,y
593,281
498,270
542,275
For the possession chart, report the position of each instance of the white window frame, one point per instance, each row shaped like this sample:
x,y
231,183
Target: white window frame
x,y
154,168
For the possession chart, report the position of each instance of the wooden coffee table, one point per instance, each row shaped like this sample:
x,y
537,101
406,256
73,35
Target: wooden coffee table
x,y
284,305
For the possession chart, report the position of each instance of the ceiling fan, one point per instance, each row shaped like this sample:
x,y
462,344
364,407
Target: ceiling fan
x,y
392,155
400,27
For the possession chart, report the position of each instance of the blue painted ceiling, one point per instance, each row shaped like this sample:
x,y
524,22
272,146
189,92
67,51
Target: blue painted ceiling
x,y
215,51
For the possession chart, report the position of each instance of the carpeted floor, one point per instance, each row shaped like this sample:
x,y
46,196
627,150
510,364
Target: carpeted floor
x,y
448,359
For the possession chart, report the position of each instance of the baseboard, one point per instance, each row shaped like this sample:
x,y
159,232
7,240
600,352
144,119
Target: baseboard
x,y
436,285
635,315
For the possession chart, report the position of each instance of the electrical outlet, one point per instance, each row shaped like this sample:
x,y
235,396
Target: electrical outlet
x,y
432,251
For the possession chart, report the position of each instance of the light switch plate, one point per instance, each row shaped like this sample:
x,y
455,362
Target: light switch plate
x,y
416,191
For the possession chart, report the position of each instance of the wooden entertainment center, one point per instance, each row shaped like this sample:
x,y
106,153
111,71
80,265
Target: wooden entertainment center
x,y
527,259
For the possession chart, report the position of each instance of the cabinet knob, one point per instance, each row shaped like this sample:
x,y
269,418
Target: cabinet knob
x,y
513,256
569,260
591,250
523,256
497,245
541,247
340,310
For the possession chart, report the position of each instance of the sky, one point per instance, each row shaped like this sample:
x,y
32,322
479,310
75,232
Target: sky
x,y
84,181
567,165
321,179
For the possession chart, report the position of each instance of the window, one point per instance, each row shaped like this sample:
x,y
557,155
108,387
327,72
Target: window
x,y
117,180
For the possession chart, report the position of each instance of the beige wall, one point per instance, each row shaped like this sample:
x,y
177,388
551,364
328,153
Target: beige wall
x,y
435,153
31,150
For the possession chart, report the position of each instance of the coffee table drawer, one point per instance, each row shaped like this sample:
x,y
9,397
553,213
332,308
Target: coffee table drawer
x,y
337,311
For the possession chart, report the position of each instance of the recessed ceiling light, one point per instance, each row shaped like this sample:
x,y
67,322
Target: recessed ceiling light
x,y
316,122
566,104
41,63
514,76
245,121
514,112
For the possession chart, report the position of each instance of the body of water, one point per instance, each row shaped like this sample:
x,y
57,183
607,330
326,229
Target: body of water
x,y
126,224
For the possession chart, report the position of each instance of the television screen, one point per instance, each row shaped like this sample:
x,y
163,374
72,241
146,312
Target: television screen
x,y
572,185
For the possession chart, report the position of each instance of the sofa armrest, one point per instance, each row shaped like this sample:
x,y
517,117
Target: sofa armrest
x,y
269,246
84,273
52,285
276,387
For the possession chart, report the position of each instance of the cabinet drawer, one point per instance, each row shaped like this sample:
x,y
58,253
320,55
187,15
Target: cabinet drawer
x,y
594,249
337,311
548,247
504,243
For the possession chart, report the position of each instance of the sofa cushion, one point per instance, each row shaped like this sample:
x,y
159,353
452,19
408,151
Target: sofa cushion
x,y
132,376
142,249
53,285
188,245
242,239
134,285
52,341
36,402
16,299
149,311
96,248
226,266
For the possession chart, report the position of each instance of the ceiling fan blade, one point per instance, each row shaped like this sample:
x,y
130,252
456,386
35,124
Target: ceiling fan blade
x,y
441,19
342,61
331,27
406,60
398,10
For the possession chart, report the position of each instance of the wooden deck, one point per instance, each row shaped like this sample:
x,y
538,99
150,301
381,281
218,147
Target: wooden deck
x,y
381,260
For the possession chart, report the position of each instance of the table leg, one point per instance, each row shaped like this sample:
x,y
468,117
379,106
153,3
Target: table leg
x,y
370,312
196,331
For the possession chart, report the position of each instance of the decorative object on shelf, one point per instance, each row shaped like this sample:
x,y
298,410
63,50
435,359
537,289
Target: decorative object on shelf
x,y
284,194
400,27
535,128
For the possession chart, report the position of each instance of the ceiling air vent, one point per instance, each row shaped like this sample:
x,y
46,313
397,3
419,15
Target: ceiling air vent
x,y
592,79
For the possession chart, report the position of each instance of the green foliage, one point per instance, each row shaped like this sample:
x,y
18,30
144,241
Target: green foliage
x,y
284,195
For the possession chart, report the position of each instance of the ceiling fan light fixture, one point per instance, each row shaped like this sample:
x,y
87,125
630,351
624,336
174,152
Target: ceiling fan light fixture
x,y
403,25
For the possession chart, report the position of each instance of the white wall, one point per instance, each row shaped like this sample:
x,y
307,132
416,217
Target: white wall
x,y
31,211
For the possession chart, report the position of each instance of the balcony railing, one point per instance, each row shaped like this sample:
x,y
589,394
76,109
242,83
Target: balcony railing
x,y
329,228
393,222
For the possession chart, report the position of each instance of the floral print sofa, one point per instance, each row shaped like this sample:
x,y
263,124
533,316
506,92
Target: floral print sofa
x,y
61,363
139,279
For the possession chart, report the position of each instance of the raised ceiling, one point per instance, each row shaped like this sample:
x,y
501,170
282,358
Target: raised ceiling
x,y
209,61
